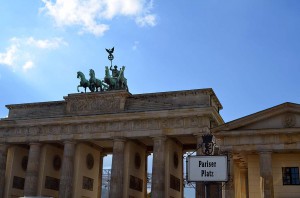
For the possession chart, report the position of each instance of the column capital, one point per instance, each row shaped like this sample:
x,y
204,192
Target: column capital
x,y
69,142
34,143
265,151
159,137
119,138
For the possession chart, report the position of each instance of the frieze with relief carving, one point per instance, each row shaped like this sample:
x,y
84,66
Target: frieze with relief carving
x,y
100,127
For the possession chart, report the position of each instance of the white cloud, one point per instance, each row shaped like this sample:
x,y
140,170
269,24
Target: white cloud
x,y
8,57
148,20
28,65
90,14
22,52
46,43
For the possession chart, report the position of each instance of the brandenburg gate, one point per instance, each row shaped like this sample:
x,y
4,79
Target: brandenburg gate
x,y
56,149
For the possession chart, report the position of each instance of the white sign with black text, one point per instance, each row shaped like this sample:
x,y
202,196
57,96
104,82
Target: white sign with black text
x,y
207,168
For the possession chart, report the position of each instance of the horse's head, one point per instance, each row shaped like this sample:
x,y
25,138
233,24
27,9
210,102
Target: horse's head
x,y
80,74
92,73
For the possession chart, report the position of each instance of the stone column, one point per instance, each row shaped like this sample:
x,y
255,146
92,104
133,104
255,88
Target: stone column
x,y
100,174
146,173
67,170
229,186
265,164
158,167
117,172
3,157
244,182
200,187
32,172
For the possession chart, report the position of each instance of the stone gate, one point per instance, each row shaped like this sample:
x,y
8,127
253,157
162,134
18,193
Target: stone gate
x,y
56,148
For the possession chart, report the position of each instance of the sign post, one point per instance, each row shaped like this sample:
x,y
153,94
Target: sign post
x,y
207,168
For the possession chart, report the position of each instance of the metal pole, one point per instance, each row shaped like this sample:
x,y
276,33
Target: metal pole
x,y
205,189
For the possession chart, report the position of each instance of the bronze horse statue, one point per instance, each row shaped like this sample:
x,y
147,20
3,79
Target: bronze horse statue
x,y
111,81
122,80
96,84
83,81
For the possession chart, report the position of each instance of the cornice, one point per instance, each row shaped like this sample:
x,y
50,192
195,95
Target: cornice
x,y
122,116
258,132
33,105
205,91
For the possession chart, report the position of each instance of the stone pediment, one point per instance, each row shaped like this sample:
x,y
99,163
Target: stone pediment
x,y
284,120
283,116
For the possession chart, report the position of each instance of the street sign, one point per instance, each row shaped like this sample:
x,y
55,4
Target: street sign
x,y
207,168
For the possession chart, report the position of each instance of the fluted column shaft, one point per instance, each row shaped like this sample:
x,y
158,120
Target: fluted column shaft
x,y
265,164
67,171
3,157
158,168
117,172
32,172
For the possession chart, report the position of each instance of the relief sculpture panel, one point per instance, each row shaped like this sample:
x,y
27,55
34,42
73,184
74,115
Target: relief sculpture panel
x,y
94,105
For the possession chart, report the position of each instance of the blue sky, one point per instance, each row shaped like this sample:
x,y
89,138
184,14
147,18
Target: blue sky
x,y
247,51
